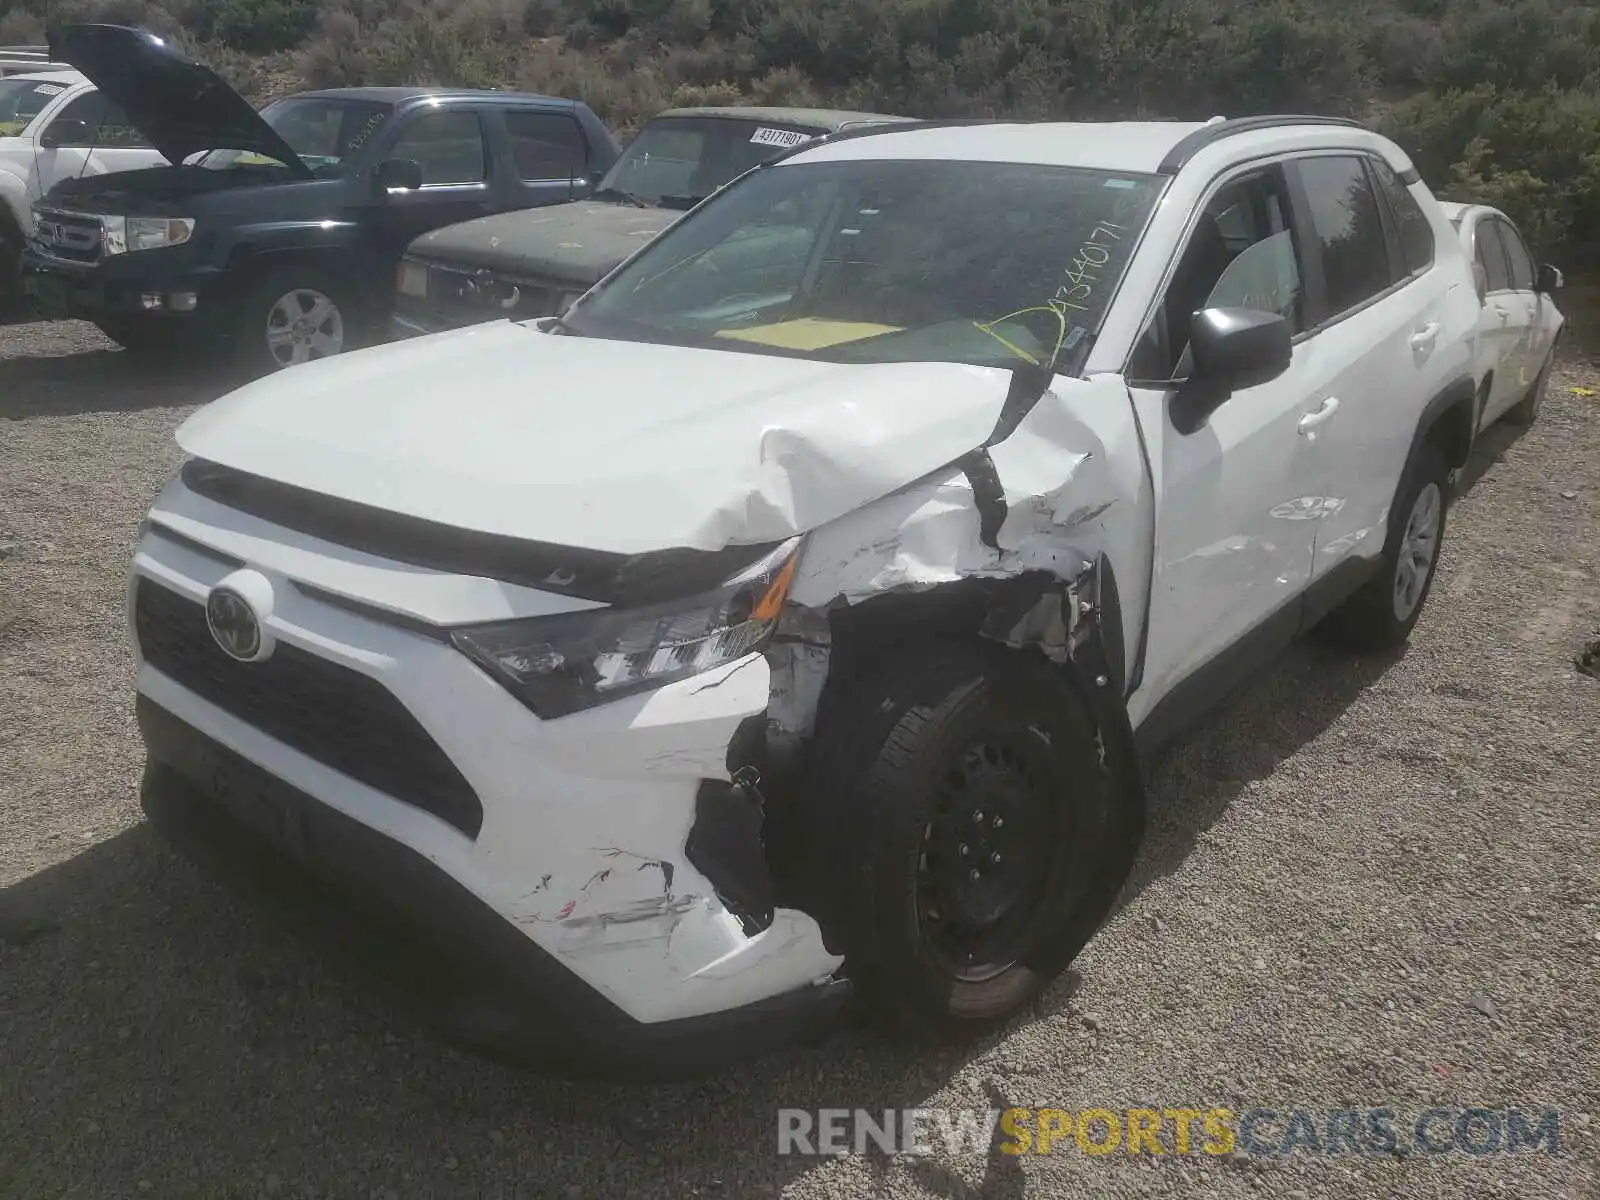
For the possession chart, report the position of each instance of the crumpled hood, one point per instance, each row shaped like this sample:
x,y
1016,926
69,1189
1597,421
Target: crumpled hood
x,y
574,243
605,445
179,105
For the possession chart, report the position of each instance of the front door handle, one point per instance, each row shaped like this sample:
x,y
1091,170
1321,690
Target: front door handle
x,y
1309,422
1425,336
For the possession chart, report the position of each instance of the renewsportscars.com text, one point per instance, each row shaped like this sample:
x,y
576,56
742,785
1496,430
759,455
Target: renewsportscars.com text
x,y
1258,1132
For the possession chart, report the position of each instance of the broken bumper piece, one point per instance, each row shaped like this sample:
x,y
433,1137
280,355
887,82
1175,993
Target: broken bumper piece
x,y
442,952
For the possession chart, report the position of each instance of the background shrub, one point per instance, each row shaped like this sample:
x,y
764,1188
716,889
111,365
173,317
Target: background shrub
x,y
1496,99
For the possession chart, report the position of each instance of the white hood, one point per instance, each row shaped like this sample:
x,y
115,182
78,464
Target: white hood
x,y
612,446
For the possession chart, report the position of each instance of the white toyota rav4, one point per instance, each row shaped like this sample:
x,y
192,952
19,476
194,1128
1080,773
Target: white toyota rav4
x,y
788,618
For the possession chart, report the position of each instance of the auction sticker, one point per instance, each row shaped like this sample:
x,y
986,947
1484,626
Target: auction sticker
x,y
778,137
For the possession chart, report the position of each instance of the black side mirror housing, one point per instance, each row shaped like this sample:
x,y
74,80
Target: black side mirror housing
x,y
1550,280
65,133
1231,348
399,174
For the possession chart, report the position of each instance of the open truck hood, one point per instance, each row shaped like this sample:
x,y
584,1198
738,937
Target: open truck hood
x,y
179,105
577,243
612,446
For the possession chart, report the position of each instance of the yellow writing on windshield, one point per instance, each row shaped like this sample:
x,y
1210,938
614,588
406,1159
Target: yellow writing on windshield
x,y
808,333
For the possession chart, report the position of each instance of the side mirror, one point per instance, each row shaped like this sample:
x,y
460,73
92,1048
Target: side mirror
x,y
1231,348
1550,280
399,174
69,132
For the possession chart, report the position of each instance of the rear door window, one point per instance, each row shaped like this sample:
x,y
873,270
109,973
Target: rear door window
x,y
1412,224
1345,219
1492,256
545,146
1517,257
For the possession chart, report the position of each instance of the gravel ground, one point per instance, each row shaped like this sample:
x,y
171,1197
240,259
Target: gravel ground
x,y
1367,884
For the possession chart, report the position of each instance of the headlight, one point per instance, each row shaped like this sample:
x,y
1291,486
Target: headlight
x,y
124,235
559,665
411,279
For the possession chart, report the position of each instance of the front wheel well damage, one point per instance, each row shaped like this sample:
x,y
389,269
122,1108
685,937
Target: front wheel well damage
x,y
1071,628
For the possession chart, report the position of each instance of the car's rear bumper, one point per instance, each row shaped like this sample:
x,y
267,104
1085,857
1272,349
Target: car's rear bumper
x,y
480,981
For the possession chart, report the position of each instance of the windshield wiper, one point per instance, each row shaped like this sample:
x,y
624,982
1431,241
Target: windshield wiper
x,y
625,197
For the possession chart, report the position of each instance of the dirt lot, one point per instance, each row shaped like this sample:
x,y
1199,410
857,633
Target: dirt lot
x,y
1368,884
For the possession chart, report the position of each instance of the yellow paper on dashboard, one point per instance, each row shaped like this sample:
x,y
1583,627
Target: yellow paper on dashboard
x,y
808,333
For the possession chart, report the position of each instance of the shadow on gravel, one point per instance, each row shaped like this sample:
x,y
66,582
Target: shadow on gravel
x,y
1491,446
103,381
212,1036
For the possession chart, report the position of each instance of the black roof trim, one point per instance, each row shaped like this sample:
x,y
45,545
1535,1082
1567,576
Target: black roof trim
x,y
851,132
1178,157
1410,176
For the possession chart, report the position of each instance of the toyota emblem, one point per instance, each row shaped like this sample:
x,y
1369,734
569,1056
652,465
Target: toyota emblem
x,y
234,625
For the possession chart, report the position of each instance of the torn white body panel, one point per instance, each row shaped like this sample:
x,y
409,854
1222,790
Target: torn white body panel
x,y
610,446
1075,485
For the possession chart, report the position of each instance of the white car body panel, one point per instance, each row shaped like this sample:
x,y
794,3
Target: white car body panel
x,y
781,445
28,171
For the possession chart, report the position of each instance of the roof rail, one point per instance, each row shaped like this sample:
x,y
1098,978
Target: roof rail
x,y
1215,130
851,132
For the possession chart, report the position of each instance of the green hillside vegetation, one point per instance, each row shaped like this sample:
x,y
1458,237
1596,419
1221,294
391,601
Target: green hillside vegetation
x,y
1496,101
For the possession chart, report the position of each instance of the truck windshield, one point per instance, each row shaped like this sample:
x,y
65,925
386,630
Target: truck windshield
x,y
327,133
679,161
887,261
21,100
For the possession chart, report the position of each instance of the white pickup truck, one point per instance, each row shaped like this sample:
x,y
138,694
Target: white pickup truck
x,y
54,125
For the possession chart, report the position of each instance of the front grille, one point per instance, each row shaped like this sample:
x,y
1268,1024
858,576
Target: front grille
x,y
341,718
478,295
69,235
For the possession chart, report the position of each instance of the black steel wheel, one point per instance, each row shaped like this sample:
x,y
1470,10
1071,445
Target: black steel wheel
x,y
961,812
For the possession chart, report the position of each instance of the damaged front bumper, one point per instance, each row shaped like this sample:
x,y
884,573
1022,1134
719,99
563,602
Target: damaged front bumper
x,y
603,860
465,968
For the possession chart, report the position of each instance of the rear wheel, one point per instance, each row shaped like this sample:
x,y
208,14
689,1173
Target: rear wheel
x,y
293,315
1381,615
1527,409
959,792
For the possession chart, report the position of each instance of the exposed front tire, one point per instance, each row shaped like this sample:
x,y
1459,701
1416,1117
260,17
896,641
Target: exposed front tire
x,y
1527,409
959,794
1381,615
292,315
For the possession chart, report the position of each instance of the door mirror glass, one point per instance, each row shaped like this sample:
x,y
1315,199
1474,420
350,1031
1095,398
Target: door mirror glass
x,y
1550,279
66,132
399,174
1231,348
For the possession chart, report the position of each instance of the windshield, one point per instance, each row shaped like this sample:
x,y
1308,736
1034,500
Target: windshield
x,y
21,100
887,261
679,161
326,133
